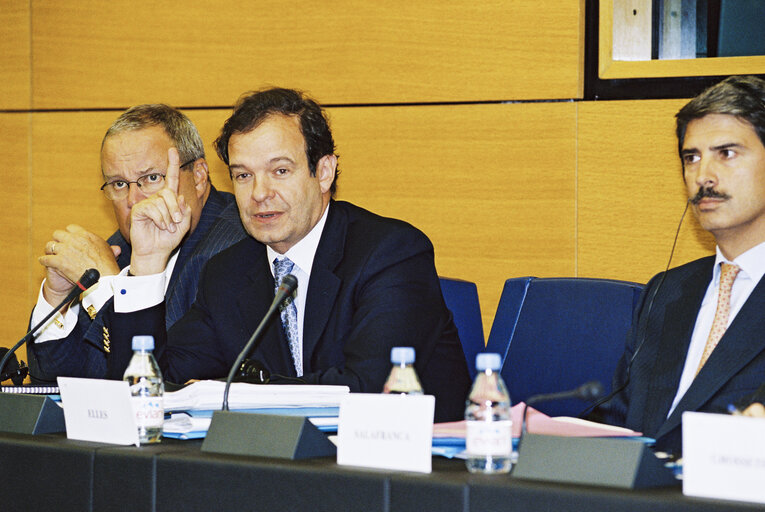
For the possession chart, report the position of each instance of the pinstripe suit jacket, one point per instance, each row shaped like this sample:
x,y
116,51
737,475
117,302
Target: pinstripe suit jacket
x,y
82,353
660,336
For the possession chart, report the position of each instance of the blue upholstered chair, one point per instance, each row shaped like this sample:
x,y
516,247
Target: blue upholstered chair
x,y
462,300
554,334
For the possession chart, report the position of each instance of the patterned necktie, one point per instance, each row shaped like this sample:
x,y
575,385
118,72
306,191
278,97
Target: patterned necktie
x,y
289,314
728,273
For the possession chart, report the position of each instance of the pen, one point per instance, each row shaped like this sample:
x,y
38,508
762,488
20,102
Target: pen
x,y
735,411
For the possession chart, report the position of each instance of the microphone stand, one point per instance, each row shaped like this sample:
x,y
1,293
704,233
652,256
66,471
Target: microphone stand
x,y
286,288
587,391
88,279
18,374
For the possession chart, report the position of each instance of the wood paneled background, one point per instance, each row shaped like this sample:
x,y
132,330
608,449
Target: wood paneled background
x,y
95,54
462,118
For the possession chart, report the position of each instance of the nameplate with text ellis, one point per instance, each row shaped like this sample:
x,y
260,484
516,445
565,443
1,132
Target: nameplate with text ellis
x,y
724,456
386,431
98,410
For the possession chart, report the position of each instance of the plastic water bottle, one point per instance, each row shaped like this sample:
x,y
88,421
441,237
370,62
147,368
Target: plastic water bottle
x,y
402,379
147,388
489,437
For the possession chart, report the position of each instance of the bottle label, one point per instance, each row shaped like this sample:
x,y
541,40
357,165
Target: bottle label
x,y
489,438
402,381
149,411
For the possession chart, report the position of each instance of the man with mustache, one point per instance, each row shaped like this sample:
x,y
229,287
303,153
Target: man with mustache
x,y
697,341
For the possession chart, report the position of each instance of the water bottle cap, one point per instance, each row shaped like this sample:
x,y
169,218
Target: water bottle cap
x,y
402,355
143,342
488,361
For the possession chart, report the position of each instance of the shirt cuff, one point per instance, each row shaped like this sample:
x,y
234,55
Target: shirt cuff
x,y
59,326
134,293
96,296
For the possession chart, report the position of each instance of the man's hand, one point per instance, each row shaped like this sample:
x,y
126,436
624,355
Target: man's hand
x,y
159,223
69,254
756,410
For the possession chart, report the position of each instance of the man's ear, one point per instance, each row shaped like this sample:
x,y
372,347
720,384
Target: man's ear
x,y
325,171
201,176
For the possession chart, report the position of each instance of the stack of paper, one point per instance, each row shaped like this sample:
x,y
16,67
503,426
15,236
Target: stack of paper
x,y
539,423
449,438
208,395
192,406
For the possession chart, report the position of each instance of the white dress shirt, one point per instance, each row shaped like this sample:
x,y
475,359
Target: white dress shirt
x,y
752,264
60,326
302,255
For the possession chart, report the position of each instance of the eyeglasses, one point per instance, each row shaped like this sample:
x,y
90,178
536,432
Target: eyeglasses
x,y
149,184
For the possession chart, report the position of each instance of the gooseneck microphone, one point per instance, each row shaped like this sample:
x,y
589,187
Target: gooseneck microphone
x,y
588,391
286,289
88,279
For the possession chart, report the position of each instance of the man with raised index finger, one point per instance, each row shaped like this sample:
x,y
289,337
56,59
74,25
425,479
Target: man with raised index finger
x,y
134,160
365,283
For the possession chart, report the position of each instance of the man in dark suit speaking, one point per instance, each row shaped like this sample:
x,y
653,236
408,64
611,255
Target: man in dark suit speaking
x,y
698,339
365,283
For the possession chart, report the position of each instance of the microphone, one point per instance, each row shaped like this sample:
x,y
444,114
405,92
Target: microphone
x,y
17,372
88,279
286,288
587,391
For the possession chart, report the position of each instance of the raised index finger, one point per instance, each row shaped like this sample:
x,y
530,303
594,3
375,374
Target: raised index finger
x,y
173,170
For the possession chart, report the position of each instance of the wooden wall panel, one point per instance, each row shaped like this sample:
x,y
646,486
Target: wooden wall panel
x,y
113,54
14,227
14,55
630,191
493,186
66,177
209,123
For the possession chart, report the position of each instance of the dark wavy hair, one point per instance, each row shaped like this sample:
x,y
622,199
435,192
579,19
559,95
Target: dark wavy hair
x,y
254,107
740,96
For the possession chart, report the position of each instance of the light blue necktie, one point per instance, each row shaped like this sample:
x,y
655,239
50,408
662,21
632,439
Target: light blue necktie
x,y
289,314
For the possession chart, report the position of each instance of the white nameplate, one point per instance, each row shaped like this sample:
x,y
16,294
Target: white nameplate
x,y
386,431
724,456
98,410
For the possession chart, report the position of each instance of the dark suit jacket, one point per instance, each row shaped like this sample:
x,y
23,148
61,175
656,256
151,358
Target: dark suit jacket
x,y
373,286
662,331
82,353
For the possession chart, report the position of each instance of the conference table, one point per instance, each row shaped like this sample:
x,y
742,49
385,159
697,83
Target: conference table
x,y
50,472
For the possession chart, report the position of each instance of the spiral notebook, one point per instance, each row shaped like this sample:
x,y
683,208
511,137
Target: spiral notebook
x,y
30,389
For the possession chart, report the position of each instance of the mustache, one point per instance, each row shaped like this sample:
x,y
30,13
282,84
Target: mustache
x,y
707,192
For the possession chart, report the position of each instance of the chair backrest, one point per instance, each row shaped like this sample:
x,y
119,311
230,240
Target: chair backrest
x,y
461,298
554,334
